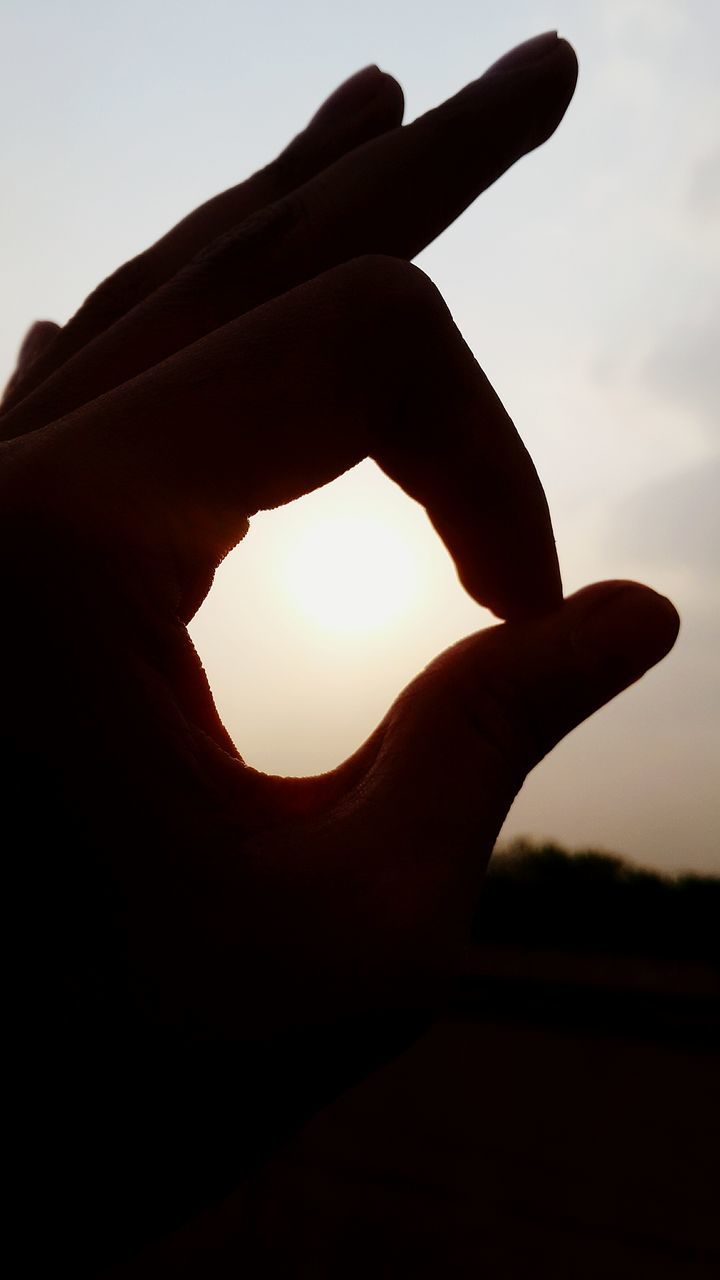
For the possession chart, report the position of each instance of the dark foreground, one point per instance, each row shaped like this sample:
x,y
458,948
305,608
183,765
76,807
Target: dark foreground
x,y
562,1121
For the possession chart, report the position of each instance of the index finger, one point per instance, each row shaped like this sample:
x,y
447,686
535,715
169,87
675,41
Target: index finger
x,y
364,361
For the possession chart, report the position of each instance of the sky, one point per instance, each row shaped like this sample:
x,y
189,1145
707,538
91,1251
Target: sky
x,y
586,282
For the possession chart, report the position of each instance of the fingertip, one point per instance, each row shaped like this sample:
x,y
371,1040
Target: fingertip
x,y
393,98
548,53
540,595
625,629
366,90
566,68
521,579
37,338
543,73
558,78
566,59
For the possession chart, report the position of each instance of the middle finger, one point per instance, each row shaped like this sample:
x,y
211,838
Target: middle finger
x,y
391,196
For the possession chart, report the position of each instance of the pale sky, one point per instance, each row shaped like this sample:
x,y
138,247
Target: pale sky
x,y
586,282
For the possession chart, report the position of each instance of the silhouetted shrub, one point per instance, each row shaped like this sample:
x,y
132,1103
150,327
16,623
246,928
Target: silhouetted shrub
x,y
539,895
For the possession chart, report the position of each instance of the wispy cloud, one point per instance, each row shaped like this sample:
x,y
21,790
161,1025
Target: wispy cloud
x,y
675,522
704,193
685,367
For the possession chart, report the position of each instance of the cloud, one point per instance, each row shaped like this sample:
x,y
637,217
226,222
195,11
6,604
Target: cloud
x,y
660,20
675,522
685,367
704,189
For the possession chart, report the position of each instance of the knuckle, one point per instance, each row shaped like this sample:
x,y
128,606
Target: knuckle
x,y
255,237
286,171
398,298
409,338
239,258
397,281
111,300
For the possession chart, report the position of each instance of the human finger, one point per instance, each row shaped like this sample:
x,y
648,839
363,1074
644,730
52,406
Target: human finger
x,y
404,829
37,339
363,361
366,104
458,744
391,196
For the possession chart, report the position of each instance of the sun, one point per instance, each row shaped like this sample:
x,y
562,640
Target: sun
x,y
352,573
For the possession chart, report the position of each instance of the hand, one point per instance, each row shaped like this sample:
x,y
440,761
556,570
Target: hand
x,y
224,950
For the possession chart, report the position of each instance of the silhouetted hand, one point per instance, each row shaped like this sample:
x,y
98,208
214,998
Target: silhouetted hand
x,y
215,953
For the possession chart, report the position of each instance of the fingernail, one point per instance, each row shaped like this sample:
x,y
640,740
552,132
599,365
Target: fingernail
x,y
628,632
523,55
353,95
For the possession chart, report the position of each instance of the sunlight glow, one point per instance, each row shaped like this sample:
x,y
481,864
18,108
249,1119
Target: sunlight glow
x,y
352,574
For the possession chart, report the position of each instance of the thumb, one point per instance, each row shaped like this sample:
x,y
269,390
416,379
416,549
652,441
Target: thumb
x,y
459,742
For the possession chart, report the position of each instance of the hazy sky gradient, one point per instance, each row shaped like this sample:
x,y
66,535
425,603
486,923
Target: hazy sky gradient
x,y
587,283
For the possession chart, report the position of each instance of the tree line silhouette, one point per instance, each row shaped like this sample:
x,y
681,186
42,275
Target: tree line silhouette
x,y
542,896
